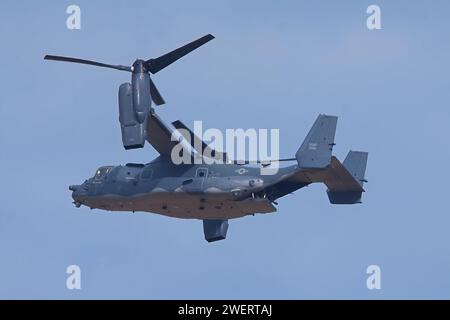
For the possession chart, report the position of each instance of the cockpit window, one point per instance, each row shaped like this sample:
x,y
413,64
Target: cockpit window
x,y
102,172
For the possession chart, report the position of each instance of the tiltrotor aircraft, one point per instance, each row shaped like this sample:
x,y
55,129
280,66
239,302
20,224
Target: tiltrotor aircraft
x,y
213,192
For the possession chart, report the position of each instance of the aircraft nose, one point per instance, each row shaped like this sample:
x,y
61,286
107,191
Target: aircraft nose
x,y
79,192
74,187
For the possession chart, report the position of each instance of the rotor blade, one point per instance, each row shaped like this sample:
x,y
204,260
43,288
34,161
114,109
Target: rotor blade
x,y
156,96
93,63
155,65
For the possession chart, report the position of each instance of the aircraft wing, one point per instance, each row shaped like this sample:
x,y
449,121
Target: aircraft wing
x,y
159,135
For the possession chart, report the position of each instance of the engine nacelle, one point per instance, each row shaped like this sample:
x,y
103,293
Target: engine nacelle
x,y
134,130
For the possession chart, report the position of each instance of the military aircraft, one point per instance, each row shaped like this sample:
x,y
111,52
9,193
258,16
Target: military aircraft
x,y
212,191
218,192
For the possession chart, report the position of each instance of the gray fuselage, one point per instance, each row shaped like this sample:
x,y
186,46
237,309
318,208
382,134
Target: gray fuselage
x,y
214,191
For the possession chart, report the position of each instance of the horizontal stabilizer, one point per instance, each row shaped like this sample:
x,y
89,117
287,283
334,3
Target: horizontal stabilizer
x,y
315,151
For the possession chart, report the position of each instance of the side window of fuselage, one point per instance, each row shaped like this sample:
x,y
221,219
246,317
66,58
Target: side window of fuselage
x,y
201,173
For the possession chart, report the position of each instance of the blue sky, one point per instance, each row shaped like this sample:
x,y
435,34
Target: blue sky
x,y
273,64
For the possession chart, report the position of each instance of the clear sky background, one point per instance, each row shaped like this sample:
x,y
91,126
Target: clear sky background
x,y
273,64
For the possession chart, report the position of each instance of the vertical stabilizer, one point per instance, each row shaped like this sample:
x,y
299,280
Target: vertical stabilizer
x,y
315,151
